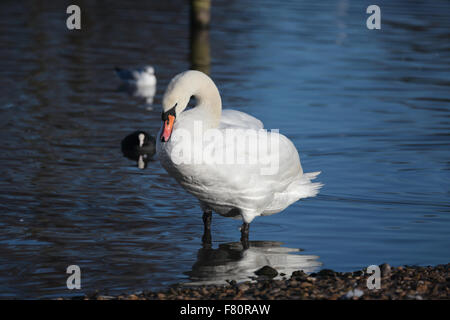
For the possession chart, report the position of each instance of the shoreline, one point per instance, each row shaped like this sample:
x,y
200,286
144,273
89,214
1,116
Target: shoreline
x,y
397,283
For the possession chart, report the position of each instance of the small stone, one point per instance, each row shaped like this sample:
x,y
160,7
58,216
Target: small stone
x,y
161,296
243,287
298,274
293,283
305,285
231,282
422,288
356,293
276,290
385,270
267,271
326,273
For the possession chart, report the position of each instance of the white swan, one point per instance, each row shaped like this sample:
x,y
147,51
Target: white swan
x,y
232,189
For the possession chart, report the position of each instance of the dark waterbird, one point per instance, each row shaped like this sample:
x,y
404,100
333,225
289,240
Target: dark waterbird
x,y
139,146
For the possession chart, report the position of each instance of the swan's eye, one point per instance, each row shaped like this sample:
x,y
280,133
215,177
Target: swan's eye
x,y
165,115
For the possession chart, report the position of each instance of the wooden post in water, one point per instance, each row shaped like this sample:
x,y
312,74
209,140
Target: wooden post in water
x,y
200,56
200,13
199,39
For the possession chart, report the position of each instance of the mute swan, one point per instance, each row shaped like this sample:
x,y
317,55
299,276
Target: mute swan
x,y
232,189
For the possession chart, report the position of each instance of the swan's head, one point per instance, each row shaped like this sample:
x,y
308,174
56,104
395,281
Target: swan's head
x,y
178,93
149,70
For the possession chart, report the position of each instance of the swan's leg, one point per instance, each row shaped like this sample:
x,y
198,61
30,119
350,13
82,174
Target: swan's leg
x,y
244,235
207,217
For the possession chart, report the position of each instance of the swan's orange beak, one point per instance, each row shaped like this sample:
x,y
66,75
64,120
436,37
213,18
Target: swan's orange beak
x,y
167,129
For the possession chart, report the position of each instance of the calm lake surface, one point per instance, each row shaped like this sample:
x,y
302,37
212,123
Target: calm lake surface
x,y
368,108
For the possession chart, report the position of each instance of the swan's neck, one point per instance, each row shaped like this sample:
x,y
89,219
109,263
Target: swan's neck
x,y
209,102
195,83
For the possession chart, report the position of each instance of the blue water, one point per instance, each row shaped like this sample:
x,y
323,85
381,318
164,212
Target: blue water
x,y
368,108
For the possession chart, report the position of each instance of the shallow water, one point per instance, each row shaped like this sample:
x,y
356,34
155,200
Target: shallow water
x,y
368,108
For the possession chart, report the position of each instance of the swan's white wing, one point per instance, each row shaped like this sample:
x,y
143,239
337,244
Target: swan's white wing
x,y
249,184
233,118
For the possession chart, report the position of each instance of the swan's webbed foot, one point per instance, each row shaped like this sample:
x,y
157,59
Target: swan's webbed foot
x,y
244,235
207,217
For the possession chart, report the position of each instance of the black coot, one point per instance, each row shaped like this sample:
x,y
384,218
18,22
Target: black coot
x,y
139,146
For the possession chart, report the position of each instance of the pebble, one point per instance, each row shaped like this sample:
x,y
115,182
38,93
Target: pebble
x,y
356,293
305,285
243,287
385,270
161,296
267,271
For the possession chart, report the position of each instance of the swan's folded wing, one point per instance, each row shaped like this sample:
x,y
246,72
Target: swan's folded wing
x,y
233,118
253,175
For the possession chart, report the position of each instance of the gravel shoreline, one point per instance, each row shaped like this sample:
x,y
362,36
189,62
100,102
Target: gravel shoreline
x,y
398,283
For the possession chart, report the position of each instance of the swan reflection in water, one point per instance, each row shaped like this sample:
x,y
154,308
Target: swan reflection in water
x,y
230,262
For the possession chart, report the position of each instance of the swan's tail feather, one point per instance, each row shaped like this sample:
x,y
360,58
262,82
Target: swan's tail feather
x,y
312,175
305,188
299,189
